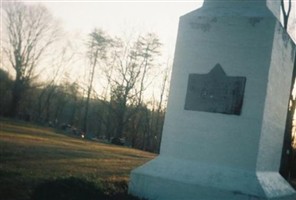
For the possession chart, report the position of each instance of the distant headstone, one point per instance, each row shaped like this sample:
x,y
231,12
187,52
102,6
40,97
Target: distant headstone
x,y
226,114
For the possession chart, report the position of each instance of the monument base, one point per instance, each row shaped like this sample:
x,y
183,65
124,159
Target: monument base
x,y
169,178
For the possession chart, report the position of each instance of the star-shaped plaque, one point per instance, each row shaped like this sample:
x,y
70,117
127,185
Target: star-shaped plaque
x,y
215,92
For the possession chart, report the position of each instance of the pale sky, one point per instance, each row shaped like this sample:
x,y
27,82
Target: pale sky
x,y
120,16
79,18
116,17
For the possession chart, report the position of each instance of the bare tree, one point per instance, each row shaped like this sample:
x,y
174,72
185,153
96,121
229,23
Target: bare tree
x,y
147,47
131,63
30,31
47,89
97,51
159,111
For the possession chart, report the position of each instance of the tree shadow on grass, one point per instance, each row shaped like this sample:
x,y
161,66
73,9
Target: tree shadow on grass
x,y
68,189
79,189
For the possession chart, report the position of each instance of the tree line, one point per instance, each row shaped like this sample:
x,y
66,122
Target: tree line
x,y
36,84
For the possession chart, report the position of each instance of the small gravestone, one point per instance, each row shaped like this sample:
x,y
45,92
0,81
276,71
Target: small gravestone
x,y
226,114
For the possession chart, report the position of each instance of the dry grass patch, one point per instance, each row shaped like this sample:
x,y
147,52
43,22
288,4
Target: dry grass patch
x,y
32,155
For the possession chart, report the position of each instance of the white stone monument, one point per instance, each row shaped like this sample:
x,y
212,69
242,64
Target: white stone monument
x,y
226,114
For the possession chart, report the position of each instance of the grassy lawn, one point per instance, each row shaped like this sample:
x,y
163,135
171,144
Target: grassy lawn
x,y
37,163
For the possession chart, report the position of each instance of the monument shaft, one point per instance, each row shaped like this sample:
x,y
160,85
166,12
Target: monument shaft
x,y
225,121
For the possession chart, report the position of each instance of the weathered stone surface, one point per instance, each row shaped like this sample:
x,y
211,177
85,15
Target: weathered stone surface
x,y
168,178
213,156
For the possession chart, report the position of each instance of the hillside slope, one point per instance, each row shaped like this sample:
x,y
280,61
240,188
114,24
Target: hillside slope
x,y
32,155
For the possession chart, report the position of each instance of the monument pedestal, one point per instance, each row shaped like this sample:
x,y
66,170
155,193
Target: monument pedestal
x,y
226,115
175,179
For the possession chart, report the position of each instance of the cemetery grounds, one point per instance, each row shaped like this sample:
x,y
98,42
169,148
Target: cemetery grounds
x,y
40,163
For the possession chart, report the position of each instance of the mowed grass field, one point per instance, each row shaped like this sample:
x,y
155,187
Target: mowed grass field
x,y
38,163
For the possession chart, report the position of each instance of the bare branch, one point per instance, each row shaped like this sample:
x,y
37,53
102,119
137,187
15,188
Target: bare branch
x,y
30,31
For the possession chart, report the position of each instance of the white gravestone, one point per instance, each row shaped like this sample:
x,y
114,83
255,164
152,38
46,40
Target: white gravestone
x,y
226,114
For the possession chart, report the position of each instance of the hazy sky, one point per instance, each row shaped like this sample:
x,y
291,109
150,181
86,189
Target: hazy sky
x,y
121,16
127,17
79,18
116,17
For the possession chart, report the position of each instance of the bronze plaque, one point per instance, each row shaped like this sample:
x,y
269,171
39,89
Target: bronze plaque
x,y
215,92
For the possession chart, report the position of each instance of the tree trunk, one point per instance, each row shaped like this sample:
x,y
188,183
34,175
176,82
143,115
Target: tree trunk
x,y
287,150
17,92
120,125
